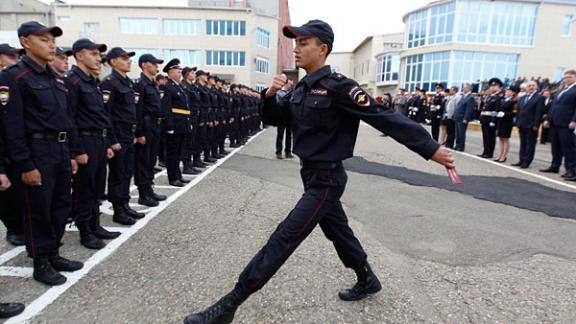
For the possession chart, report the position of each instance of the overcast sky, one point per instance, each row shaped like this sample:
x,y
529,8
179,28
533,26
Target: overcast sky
x,y
352,20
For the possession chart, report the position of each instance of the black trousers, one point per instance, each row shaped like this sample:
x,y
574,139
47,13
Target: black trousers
x,y
320,204
203,140
86,183
450,133
528,138
121,167
10,213
46,208
545,136
435,127
174,146
563,146
489,139
280,138
460,134
146,154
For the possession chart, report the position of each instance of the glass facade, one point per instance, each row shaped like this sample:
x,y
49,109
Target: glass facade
x,y
141,51
226,58
186,57
262,65
262,38
138,26
566,25
454,68
226,27
480,22
182,26
388,67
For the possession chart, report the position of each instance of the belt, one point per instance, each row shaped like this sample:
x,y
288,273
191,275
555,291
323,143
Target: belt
x,y
95,132
128,126
60,137
181,111
320,164
489,113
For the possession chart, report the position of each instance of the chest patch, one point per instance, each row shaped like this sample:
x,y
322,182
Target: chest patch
x,y
319,92
136,97
4,95
161,94
105,96
359,96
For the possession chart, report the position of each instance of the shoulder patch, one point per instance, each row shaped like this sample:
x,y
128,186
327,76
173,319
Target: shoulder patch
x,y
4,95
359,96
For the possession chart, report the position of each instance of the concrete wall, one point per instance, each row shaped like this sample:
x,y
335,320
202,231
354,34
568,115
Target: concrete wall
x,y
15,12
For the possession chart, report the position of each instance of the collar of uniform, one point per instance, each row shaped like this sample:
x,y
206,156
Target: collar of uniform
x,y
309,80
119,76
34,66
148,80
81,74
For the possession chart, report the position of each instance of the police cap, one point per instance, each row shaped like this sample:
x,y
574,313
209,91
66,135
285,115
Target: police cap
x,y
61,51
495,81
85,43
116,52
187,70
514,88
201,72
36,28
149,58
313,28
7,49
172,64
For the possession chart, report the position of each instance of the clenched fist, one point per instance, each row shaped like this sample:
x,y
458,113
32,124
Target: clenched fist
x,y
277,83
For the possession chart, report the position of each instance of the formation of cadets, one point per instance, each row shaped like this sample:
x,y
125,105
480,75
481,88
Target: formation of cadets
x,y
66,136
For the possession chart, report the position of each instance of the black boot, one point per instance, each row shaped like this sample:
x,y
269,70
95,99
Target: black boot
x,y
144,197
87,237
220,313
45,273
14,238
154,195
132,213
215,154
189,169
367,284
197,162
222,151
62,264
8,310
100,231
208,157
120,215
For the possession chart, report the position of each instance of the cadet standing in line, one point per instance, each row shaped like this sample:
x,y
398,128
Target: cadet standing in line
x,y
60,63
205,112
120,99
193,104
492,105
436,110
194,96
94,124
213,124
9,55
322,144
39,129
150,108
177,122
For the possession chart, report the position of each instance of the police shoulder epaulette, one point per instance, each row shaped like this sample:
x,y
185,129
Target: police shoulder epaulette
x,y
338,76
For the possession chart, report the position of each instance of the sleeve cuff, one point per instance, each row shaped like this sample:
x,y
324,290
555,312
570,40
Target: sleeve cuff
x,y
25,166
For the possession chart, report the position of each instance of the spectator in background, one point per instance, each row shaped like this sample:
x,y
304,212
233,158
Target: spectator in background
x,y
448,127
400,102
545,133
530,109
463,115
284,129
505,121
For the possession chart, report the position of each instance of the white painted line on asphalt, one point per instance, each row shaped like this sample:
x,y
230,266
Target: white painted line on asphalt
x,y
16,272
11,254
53,293
73,228
167,187
517,170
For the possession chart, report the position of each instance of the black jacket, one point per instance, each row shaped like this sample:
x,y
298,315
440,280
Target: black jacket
x,y
563,109
530,110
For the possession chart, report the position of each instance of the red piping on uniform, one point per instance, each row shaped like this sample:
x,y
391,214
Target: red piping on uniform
x,y
327,87
27,201
21,74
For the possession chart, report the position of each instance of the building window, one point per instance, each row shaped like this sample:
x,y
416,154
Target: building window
x,y
260,87
141,51
417,28
225,58
138,26
262,38
566,25
441,23
186,57
262,65
424,71
226,27
182,26
477,67
559,74
511,23
62,19
91,30
388,67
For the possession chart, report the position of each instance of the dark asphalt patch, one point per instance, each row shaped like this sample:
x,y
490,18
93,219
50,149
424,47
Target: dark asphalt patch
x,y
503,190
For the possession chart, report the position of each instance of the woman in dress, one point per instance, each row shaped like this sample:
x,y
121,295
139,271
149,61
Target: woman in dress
x,y
505,121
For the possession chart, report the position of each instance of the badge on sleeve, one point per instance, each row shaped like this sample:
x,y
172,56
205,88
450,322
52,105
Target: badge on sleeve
x,y
161,94
136,97
359,96
105,96
4,95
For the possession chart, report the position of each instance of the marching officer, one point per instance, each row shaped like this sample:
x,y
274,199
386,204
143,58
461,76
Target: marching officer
x,y
120,99
492,105
94,124
39,130
325,110
150,107
177,123
436,110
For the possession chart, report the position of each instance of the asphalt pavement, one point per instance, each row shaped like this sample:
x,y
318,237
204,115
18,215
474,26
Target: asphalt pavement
x,y
497,249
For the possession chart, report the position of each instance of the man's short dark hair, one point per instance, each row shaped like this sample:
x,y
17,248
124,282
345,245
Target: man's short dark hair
x,y
573,72
455,89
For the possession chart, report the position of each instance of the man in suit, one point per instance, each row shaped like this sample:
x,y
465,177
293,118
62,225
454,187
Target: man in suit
x,y
463,115
531,107
562,120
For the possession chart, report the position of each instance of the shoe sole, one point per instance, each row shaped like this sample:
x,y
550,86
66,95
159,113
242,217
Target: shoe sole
x,y
368,293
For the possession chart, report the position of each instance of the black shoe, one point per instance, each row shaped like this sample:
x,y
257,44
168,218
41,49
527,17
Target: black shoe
x,y
144,197
132,213
120,215
156,169
62,264
162,164
279,156
501,161
156,196
220,313
362,289
289,155
210,160
549,170
234,145
104,234
190,170
524,166
459,149
15,238
568,175
572,178
199,164
87,237
481,155
177,183
517,164
45,273
184,181
8,310
223,152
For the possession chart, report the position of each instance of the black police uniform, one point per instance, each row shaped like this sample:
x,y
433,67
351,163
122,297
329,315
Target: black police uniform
x,y
492,105
176,125
10,213
213,118
325,110
120,99
203,120
38,130
193,147
436,110
150,107
94,125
